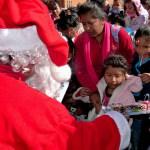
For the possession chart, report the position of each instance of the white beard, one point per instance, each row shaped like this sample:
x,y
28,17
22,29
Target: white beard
x,y
26,48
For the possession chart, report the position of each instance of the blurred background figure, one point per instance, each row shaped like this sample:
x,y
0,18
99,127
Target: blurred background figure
x,y
116,13
136,14
54,8
103,4
146,5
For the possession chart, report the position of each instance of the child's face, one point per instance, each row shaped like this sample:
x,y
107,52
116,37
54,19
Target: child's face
x,y
117,3
114,76
130,10
143,46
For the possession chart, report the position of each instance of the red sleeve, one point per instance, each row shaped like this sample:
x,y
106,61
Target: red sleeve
x,y
101,134
125,45
80,68
30,119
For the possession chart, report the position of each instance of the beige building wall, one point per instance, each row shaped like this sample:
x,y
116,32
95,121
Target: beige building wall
x,y
71,3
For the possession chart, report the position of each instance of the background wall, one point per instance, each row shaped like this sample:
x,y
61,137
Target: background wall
x,y
70,3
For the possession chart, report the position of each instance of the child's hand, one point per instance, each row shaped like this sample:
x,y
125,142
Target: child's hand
x,y
145,77
95,100
85,92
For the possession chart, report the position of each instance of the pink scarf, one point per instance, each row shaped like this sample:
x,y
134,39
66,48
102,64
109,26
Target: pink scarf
x,y
105,51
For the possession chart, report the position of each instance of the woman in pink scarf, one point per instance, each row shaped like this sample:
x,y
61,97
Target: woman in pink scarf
x,y
99,40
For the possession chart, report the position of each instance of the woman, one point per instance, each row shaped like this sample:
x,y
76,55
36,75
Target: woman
x,y
99,40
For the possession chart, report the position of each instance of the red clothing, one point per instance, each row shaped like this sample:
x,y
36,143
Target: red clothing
x,y
30,120
125,48
7,70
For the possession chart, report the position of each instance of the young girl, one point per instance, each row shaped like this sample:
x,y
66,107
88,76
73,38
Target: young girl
x,y
141,68
141,62
116,86
136,15
116,13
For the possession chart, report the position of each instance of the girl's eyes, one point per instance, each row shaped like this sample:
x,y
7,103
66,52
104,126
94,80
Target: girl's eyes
x,y
110,75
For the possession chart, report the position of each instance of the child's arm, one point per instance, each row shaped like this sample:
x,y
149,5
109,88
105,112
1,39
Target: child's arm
x,y
96,101
145,77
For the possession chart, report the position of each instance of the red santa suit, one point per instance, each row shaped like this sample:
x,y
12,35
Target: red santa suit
x,y
30,120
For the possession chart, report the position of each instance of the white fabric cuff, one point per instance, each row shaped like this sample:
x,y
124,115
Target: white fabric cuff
x,y
85,99
60,73
123,127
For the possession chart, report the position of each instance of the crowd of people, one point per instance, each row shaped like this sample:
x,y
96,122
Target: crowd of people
x,y
97,54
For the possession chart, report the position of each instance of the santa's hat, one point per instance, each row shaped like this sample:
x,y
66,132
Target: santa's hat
x,y
19,16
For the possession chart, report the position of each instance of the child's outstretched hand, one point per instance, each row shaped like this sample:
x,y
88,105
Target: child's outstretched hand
x,y
95,100
145,77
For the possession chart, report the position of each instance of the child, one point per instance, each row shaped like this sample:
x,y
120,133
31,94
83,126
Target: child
x,y
136,15
54,8
68,25
116,13
141,62
141,68
116,86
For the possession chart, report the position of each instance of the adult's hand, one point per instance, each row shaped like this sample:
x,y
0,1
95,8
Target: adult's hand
x,y
145,77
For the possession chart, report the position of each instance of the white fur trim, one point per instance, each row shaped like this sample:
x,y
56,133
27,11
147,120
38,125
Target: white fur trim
x,y
84,99
19,39
61,73
123,127
131,84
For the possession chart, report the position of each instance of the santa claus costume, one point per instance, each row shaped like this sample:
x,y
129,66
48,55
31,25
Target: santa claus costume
x,y
30,120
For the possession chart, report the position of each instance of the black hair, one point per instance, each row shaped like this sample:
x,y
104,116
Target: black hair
x,y
51,4
68,18
117,18
100,3
142,31
117,61
66,22
145,2
93,9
